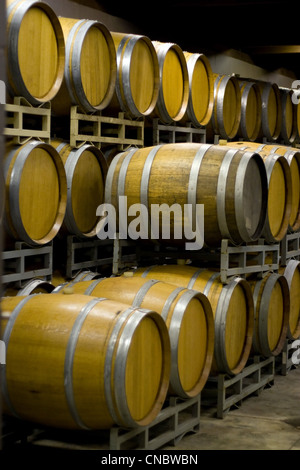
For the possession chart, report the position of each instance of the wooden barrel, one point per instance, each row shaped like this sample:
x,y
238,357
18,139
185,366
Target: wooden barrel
x,y
90,362
90,67
226,115
201,90
271,115
231,184
86,170
292,156
137,83
232,306
250,122
35,50
289,127
188,316
36,192
173,83
280,191
292,274
33,286
271,314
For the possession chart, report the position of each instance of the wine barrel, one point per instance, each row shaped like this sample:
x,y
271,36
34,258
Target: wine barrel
x,y
271,116
292,156
292,274
279,197
33,286
137,84
231,184
86,170
232,306
35,51
226,114
250,122
36,192
188,316
280,191
90,67
201,90
289,130
271,314
173,93
90,362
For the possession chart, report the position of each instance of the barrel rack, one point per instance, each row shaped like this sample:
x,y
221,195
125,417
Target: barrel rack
x,y
97,129
177,418
233,261
174,133
290,247
226,392
25,122
25,262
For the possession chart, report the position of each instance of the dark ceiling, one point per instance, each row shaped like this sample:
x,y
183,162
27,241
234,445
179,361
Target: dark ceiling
x,y
210,26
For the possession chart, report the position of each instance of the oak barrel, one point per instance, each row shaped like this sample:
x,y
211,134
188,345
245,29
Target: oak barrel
x,y
271,116
250,121
271,313
280,191
137,84
292,156
289,125
188,316
231,184
35,51
226,114
232,306
36,192
90,362
86,170
292,274
173,83
201,90
90,67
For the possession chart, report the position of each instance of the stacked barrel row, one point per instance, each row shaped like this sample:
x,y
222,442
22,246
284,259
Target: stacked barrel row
x,y
80,62
210,328
111,351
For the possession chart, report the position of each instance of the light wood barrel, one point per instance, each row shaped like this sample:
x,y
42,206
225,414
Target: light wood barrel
x,y
232,306
36,192
35,51
271,314
292,156
289,126
231,185
173,83
226,115
201,90
86,170
90,67
271,116
90,362
280,192
33,286
250,122
137,84
292,274
188,316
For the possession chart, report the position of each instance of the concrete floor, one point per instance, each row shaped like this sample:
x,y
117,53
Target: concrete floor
x,y
268,421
